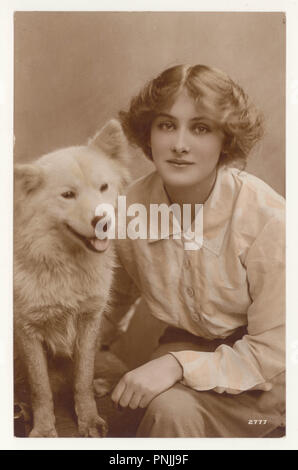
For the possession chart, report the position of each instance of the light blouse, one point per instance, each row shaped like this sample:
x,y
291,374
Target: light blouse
x,y
236,279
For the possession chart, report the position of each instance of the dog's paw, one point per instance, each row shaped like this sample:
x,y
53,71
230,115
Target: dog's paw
x,y
92,426
43,431
102,387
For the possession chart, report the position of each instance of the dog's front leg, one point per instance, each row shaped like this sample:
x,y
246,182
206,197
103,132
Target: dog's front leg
x,y
41,395
90,423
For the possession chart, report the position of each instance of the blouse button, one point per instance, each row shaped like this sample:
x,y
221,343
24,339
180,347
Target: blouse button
x,y
190,291
188,236
187,263
195,316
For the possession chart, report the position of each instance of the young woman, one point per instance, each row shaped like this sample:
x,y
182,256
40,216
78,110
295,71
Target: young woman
x,y
219,368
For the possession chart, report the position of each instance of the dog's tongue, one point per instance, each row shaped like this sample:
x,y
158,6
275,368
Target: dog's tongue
x,y
99,245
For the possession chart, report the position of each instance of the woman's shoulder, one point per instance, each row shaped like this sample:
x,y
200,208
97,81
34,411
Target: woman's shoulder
x,y
253,192
253,205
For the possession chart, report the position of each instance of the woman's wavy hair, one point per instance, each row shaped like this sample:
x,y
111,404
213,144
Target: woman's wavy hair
x,y
235,115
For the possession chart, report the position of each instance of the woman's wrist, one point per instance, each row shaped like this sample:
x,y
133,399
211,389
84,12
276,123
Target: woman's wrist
x,y
175,367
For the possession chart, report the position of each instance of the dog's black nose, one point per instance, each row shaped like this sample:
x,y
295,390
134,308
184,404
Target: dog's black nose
x,y
96,219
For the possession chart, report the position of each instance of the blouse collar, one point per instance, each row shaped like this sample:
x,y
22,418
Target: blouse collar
x,y
217,210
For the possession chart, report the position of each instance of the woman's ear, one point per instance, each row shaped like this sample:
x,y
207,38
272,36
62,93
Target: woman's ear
x,y
28,177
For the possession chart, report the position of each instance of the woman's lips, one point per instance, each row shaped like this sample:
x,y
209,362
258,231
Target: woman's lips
x,y
179,163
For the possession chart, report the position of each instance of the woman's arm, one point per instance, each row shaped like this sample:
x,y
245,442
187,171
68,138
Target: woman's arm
x,y
254,361
116,317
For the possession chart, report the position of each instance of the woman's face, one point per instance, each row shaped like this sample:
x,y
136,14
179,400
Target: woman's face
x,y
185,143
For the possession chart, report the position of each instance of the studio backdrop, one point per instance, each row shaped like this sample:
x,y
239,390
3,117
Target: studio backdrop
x,y
75,70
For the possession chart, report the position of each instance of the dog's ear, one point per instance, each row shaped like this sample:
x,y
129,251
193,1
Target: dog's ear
x,y
111,140
28,176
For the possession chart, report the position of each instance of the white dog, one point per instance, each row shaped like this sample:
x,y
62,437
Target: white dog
x,y
63,273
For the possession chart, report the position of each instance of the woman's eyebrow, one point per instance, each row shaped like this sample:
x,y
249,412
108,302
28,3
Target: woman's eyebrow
x,y
195,118
201,118
165,115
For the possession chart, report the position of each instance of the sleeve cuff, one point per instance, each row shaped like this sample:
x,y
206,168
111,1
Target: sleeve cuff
x,y
204,371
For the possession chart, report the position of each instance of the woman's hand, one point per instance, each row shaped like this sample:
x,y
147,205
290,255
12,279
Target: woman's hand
x,y
139,386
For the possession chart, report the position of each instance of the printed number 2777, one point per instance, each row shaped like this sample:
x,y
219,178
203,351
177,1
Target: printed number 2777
x,y
257,421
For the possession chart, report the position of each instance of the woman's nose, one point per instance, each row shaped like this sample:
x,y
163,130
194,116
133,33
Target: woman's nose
x,y
180,145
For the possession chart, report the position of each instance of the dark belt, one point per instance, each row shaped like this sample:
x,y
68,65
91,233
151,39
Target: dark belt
x,y
172,335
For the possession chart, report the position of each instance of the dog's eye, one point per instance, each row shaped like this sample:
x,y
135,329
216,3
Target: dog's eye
x,y
104,187
68,195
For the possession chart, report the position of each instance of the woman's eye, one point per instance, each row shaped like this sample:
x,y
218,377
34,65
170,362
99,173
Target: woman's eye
x,y
166,126
201,129
104,187
68,195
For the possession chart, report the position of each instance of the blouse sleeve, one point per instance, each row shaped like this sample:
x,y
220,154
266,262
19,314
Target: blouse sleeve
x,y
121,306
255,360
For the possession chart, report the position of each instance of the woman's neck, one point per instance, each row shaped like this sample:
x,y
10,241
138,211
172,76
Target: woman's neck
x,y
196,194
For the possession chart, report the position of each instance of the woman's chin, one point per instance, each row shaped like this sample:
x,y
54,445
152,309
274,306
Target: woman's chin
x,y
180,181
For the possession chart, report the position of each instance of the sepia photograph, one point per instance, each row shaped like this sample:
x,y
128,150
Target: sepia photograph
x,y
149,225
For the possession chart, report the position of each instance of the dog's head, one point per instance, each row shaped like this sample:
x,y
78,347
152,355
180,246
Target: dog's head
x,y
57,195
